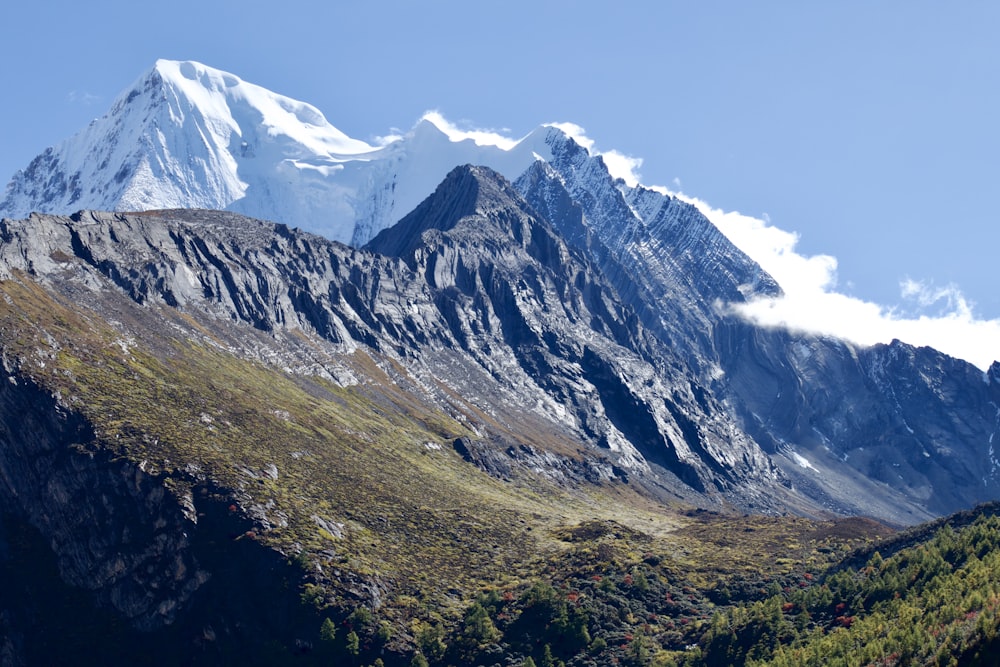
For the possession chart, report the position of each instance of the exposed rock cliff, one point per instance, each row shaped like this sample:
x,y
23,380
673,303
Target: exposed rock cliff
x,y
148,558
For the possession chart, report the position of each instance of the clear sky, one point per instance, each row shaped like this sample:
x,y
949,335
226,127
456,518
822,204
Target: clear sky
x,y
868,129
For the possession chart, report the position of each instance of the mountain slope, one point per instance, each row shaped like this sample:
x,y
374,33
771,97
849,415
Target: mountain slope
x,y
229,416
501,386
889,431
496,309
851,423
217,400
226,411
925,597
500,266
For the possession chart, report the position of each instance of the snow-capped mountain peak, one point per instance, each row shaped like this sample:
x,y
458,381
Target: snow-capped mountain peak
x,y
185,135
225,97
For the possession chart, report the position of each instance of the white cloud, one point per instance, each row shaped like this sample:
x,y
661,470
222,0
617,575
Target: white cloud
x,y
395,134
925,296
811,302
480,137
623,166
619,165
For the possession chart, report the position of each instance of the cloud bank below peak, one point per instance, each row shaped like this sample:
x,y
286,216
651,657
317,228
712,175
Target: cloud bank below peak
x,y
933,316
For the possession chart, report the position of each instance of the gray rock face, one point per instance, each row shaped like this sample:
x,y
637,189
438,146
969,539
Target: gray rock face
x,y
125,538
521,298
668,261
482,295
549,321
917,424
804,399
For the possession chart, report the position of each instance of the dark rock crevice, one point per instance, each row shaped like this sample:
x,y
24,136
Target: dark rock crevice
x,y
114,553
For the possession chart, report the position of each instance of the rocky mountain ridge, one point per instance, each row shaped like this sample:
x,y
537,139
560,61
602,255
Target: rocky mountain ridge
x,y
209,382
477,291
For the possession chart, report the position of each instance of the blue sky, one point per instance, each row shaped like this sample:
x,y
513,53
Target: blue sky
x,y
869,129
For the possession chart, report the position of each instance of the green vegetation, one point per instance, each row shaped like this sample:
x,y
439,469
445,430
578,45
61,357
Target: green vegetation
x,y
932,603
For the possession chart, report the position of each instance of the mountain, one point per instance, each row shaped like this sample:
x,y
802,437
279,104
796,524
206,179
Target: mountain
x,y
205,416
887,431
521,369
187,135
505,271
890,431
215,401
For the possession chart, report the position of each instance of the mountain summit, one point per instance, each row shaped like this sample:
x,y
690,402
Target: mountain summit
x,y
188,135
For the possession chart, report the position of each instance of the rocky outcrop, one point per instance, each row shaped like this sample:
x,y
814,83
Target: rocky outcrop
x,y
522,299
126,536
93,546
